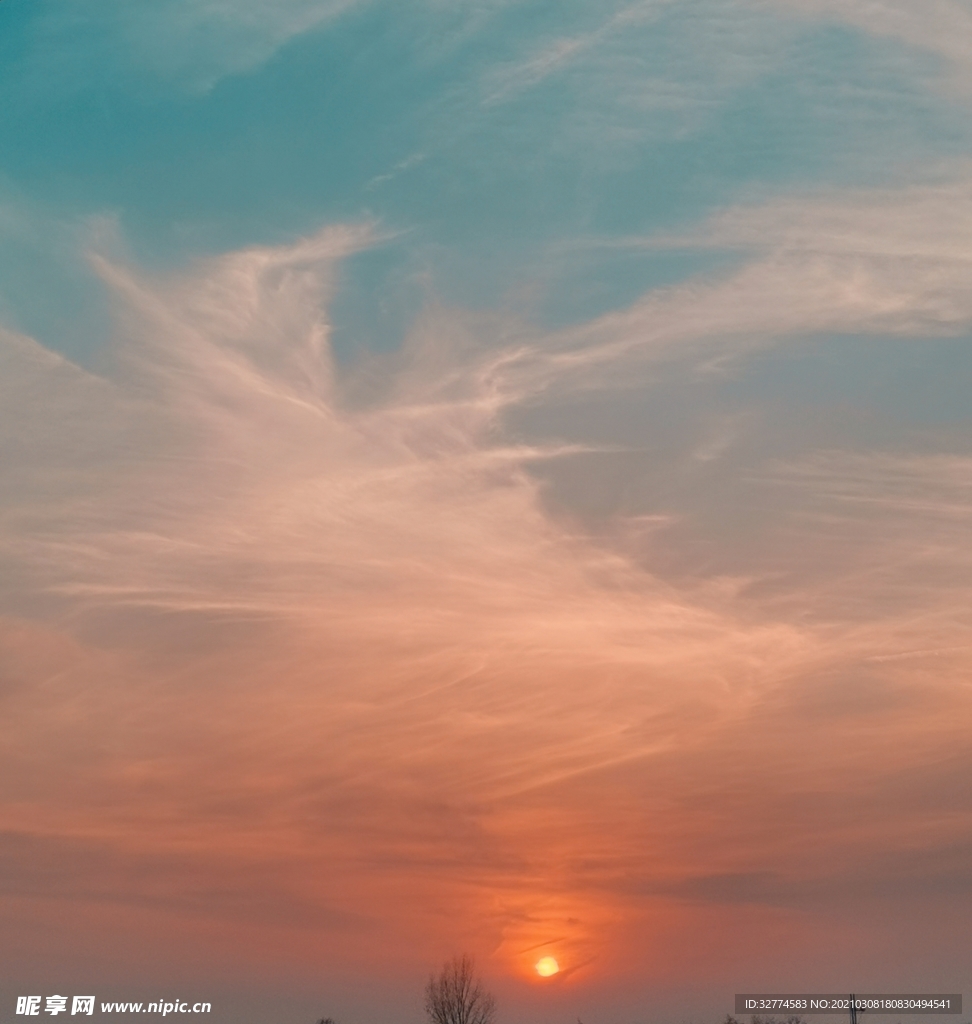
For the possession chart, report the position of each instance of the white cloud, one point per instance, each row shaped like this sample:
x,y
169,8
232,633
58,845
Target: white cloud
x,y
893,260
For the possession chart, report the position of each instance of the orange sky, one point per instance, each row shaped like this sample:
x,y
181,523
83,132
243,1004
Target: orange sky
x,y
317,673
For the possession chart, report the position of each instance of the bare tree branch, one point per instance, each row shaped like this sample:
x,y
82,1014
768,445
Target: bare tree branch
x,y
455,996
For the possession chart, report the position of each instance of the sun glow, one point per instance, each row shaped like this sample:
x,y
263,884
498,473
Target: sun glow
x,y
547,966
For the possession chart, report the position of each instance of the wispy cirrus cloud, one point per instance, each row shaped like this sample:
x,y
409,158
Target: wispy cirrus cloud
x,y
644,67
191,44
315,626
941,27
889,260
559,53
409,593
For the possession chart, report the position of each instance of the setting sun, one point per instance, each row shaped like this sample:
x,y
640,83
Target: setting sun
x,y
547,966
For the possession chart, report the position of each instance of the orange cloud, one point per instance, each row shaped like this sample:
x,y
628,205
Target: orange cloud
x,y
293,656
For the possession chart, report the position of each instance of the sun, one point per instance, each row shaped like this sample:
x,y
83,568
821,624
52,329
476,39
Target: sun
x,y
546,966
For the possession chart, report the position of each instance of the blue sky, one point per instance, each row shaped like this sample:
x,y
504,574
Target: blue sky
x,y
504,143
485,475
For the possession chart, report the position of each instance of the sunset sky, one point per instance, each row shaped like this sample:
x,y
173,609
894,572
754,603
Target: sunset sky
x,y
486,476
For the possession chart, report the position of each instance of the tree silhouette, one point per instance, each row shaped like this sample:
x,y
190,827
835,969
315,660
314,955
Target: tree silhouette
x,y
455,996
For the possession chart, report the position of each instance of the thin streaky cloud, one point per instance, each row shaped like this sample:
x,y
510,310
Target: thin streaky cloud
x,y
888,261
506,82
185,44
941,27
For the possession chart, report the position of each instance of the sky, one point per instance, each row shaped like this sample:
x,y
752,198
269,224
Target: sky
x,y
489,477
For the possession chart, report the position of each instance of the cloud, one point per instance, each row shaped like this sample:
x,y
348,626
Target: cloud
x,y
878,261
284,633
941,27
641,69
193,43
230,36
561,52
516,638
